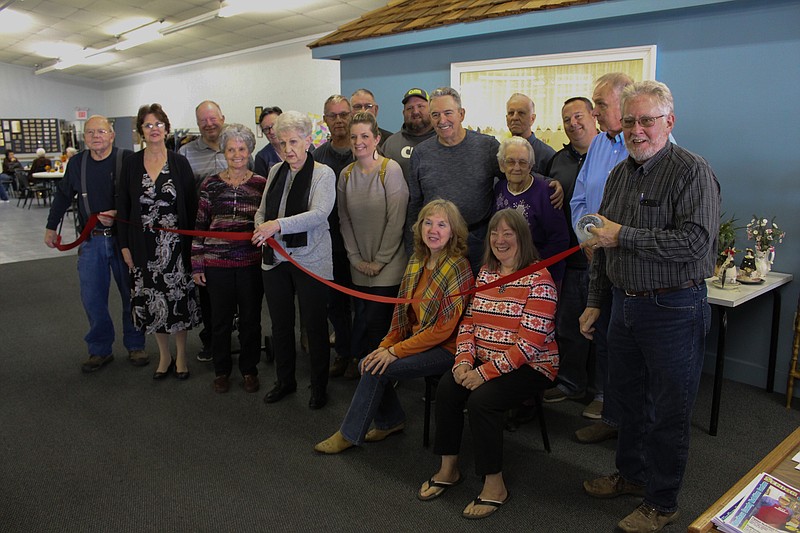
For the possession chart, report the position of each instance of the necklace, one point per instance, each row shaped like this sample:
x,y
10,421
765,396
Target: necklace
x,y
502,288
234,181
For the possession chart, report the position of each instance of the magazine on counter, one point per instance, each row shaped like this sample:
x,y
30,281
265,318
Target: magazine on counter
x,y
765,505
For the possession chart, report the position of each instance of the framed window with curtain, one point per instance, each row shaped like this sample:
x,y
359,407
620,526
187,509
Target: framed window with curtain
x,y
549,80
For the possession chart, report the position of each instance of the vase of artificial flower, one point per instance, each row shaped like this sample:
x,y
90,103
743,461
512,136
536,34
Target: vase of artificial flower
x,y
766,235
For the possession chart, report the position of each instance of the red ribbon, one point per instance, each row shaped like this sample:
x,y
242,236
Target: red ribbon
x,y
245,236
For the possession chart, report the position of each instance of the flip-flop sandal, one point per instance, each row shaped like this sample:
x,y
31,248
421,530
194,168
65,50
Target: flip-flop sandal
x,y
442,485
494,504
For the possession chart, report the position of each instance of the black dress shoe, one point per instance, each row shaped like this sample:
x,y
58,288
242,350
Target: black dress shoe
x,y
161,375
278,392
318,400
182,376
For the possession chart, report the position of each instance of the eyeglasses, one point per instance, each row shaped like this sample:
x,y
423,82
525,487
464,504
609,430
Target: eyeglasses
x,y
267,129
343,115
512,163
150,126
92,133
359,107
646,122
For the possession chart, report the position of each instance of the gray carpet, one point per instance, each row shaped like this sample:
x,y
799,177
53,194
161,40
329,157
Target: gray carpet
x,y
116,451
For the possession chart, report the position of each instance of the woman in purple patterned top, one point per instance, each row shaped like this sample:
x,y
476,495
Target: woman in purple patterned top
x,y
232,269
527,192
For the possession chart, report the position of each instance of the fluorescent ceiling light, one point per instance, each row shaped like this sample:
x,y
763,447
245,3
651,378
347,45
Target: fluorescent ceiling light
x,y
51,49
100,59
188,23
141,36
127,25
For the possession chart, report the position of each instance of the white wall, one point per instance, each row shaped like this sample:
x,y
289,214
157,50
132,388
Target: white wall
x,y
283,75
26,95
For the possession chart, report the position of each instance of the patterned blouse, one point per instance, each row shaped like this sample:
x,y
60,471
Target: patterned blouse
x,y
510,326
226,208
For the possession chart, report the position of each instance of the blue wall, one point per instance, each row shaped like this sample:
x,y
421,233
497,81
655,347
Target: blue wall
x,y
734,69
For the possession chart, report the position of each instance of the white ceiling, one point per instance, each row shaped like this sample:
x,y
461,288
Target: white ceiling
x,y
84,23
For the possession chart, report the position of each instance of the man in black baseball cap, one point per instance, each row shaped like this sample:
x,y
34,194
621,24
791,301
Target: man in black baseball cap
x,y
416,128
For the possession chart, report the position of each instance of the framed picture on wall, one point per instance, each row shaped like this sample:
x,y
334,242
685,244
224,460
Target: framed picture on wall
x,y
549,80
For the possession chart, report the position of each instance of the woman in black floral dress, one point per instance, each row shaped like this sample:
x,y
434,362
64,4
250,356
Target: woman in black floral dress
x,y
157,191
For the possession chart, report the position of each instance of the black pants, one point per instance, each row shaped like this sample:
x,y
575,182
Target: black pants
x,y
372,319
205,312
339,308
229,289
486,407
280,286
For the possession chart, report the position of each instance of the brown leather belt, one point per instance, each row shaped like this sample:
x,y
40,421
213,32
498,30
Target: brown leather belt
x,y
105,232
656,292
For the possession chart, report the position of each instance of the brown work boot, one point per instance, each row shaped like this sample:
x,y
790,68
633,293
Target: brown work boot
x,y
138,357
611,486
646,519
339,366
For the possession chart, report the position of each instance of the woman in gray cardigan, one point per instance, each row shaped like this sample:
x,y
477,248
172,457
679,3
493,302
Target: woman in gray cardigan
x,y
294,211
372,197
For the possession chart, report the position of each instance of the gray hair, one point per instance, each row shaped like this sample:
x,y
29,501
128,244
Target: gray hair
x,y
526,97
335,99
617,80
71,150
655,90
40,152
446,91
104,119
294,121
237,132
515,141
363,91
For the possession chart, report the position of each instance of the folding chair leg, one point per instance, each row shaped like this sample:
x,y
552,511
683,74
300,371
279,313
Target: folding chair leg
x,y
542,425
426,427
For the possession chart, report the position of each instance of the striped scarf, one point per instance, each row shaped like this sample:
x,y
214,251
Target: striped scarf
x,y
452,275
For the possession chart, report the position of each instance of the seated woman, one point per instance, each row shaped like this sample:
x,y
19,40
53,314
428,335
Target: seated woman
x,y
421,341
528,193
506,353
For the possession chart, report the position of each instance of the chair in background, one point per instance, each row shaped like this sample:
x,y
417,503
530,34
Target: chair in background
x,y
794,371
27,192
430,386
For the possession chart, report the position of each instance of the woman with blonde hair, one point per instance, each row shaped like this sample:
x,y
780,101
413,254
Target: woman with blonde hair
x,y
421,340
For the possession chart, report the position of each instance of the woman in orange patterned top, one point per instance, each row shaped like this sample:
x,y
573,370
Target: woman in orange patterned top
x,y
505,352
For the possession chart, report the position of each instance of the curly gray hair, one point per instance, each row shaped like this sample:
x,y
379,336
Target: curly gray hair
x,y
295,121
516,141
238,132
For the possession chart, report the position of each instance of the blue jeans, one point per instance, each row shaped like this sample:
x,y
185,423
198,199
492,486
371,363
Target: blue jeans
x,y
375,398
98,258
656,345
